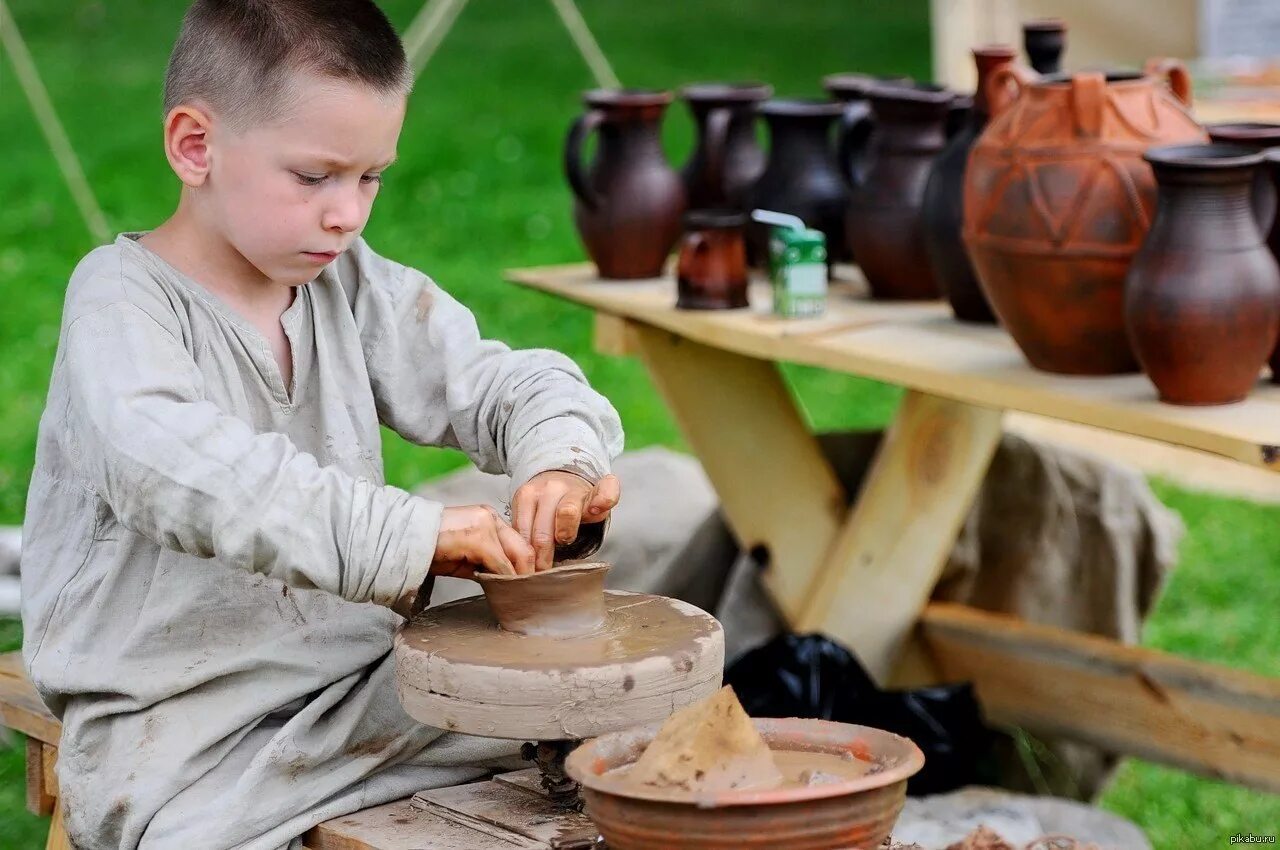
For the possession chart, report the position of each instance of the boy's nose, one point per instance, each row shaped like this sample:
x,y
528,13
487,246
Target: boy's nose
x,y
345,214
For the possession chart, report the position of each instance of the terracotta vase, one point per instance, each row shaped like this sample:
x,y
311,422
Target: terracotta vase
x,y
726,159
1058,199
800,177
1272,166
1258,135
1202,298
1044,39
944,200
561,602
628,202
886,215
711,271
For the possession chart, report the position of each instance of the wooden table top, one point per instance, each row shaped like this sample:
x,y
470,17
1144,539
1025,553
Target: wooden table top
x,y
920,346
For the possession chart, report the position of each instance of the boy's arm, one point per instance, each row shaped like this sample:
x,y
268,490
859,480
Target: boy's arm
x,y
436,382
176,469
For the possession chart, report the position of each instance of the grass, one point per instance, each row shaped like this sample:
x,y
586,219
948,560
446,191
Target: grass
x,y
478,189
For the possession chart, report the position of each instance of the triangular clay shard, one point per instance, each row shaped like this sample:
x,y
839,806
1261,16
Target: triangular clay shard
x,y
709,746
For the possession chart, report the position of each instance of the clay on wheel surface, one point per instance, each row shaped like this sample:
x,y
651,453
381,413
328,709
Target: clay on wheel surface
x,y
561,602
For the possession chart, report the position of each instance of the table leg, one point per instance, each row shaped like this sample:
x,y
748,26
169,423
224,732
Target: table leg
x,y
58,838
888,555
775,486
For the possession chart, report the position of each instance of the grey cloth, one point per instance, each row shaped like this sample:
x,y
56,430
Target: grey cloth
x,y
208,554
1054,536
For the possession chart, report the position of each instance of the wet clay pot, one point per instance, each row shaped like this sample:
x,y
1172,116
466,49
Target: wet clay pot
x,y
1202,299
628,201
855,814
944,200
1044,39
1058,199
800,177
560,602
885,225
711,271
726,160
1272,165
1258,135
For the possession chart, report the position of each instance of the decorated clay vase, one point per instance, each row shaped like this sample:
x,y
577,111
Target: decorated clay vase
x,y
944,200
628,201
726,159
1202,298
1058,199
886,210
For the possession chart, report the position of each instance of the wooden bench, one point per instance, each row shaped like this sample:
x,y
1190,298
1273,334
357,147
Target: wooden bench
x,y
394,826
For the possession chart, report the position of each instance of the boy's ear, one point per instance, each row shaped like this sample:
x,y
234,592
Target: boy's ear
x,y
186,143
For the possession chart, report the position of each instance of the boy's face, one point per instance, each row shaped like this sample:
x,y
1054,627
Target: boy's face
x,y
292,194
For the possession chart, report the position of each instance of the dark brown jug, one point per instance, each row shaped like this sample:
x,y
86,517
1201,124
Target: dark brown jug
x,y
853,135
1258,135
944,200
711,271
886,221
1202,296
1272,166
800,177
628,202
1044,39
726,160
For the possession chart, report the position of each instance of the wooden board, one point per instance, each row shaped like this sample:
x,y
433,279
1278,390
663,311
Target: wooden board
x,y
888,556
738,416
400,826
21,708
921,347
509,808
1200,717
39,799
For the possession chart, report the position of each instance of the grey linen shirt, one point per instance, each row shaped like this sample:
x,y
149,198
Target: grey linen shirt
x,y
208,553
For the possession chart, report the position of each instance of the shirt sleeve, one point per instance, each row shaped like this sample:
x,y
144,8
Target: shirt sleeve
x,y
437,382
176,469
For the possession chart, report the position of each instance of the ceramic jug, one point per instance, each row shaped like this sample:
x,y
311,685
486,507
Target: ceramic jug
x,y
726,159
628,201
1202,297
1058,198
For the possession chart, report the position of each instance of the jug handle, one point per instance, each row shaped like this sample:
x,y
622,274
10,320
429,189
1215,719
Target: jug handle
x,y
855,129
1088,100
582,127
717,139
1005,86
1174,73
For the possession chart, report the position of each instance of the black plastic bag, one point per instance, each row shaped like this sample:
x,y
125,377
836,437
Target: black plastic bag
x,y
813,676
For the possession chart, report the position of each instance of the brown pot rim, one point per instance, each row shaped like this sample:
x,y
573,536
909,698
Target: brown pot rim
x,y
913,92
593,566
995,50
748,91
800,107
1204,156
854,84
714,218
627,97
1045,25
1245,131
586,765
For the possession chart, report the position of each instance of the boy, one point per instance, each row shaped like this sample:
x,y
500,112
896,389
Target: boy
x,y
211,559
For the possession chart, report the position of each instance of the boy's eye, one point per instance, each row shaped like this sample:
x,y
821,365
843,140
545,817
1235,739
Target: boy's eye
x,y
309,179
371,178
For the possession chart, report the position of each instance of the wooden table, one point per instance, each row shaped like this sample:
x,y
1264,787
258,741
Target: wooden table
x,y
864,576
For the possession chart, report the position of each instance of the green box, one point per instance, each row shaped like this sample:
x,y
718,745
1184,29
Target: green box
x,y
798,270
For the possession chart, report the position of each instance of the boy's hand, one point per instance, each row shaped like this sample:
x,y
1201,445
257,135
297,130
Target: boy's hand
x,y
475,536
549,507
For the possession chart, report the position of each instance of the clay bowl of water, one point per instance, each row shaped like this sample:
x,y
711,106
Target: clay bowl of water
x,y
844,787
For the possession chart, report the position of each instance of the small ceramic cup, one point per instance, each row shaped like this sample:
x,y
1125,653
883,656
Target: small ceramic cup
x,y
561,602
711,273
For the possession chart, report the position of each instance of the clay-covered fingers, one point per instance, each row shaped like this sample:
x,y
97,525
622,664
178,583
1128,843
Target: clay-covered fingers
x,y
478,536
604,498
518,550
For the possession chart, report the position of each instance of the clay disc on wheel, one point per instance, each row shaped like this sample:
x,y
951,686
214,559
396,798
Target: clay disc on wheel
x,y
457,670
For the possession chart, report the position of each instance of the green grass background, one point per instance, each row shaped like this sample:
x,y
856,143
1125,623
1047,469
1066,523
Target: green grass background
x,y
478,189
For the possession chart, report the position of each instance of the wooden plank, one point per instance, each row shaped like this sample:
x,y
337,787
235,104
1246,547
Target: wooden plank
x,y
49,760
399,826
613,336
39,800
58,838
920,347
775,486
888,556
21,708
508,808
1199,717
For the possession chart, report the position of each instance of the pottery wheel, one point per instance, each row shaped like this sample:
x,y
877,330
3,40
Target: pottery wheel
x,y
457,670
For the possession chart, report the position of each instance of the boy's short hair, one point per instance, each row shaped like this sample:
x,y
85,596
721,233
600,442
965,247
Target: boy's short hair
x,y
237,56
